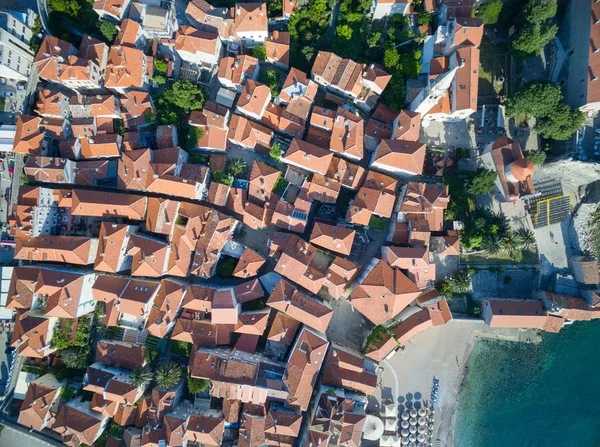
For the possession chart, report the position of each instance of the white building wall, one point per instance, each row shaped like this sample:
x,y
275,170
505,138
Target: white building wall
x,y
16,57
389,9
252,38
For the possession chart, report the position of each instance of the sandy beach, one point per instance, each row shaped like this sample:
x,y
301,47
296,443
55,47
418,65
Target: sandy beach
x,y
441,352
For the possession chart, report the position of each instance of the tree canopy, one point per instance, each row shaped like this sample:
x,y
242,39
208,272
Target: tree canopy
x,y
482,182
535,28
307,28
489,12
561,123
70,7
534,99
536,157
259,52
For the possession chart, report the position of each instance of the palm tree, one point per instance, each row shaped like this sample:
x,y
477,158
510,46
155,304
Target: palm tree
x,y
483,212
511,242
460,281
141,376
501,221
237,167
168,374
526,238
492,244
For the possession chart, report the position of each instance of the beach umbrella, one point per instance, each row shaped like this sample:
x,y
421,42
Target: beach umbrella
x,y
386,441
422,421
405,415
421,438
412,444
405,441
413,421
422,411
421,444
404,424
412,429
405,433
373,428
413,413
422,430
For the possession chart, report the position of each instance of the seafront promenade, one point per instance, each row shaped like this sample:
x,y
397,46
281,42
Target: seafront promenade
x,y
441,352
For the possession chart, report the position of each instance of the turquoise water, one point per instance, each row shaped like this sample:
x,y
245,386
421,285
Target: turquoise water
x,y
533,395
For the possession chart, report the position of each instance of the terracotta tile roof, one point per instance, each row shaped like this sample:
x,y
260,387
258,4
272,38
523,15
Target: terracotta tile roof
x,y
253,323
249,18
166,304
333,237
161,215
77,427
262,180
468,32
125,415
281,424
446,245
406,156
339,275
317,439
376,196
514,313
467,79
585,270
249,264
237,69
28,135
415,260
120,354
61,249
344,74
278,47
112,246
125,67
381,124
296,263
114,7
30,335
108,204
407,125
174,429
348,134
197,332
286,298
36,409
283,329
194,41
303,367
252,430
439,312
308,156
248,291
248,133
50,102
351,175
149,256
346,370
135,106
22,287
218,194
103,406
383,293
205,430
376,75
504,152
254,98
428,200
62,290
51,51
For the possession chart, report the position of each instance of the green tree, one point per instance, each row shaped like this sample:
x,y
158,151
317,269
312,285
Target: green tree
x,y
445,289
159,79
535,28
141,375
236,167
490,11
168,374
192,136
391,59
271,79
373,39
196,386
259,52
342,41
275,152
561,123
482,181
108,30
76,358
394,93
460,281
185,95
69,7
223,178
536,157
67,393
526,238
160,65
425,18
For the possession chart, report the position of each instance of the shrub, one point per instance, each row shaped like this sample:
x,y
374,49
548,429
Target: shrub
x,y
490,11
67,393
160,65
196,386
221,177
259,52
275,152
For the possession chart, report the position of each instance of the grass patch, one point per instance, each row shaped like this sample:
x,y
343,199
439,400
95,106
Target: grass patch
x,y
226,266
525,257
280,185
378,223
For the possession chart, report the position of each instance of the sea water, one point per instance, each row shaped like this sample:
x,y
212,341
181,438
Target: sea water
x,y
518,394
